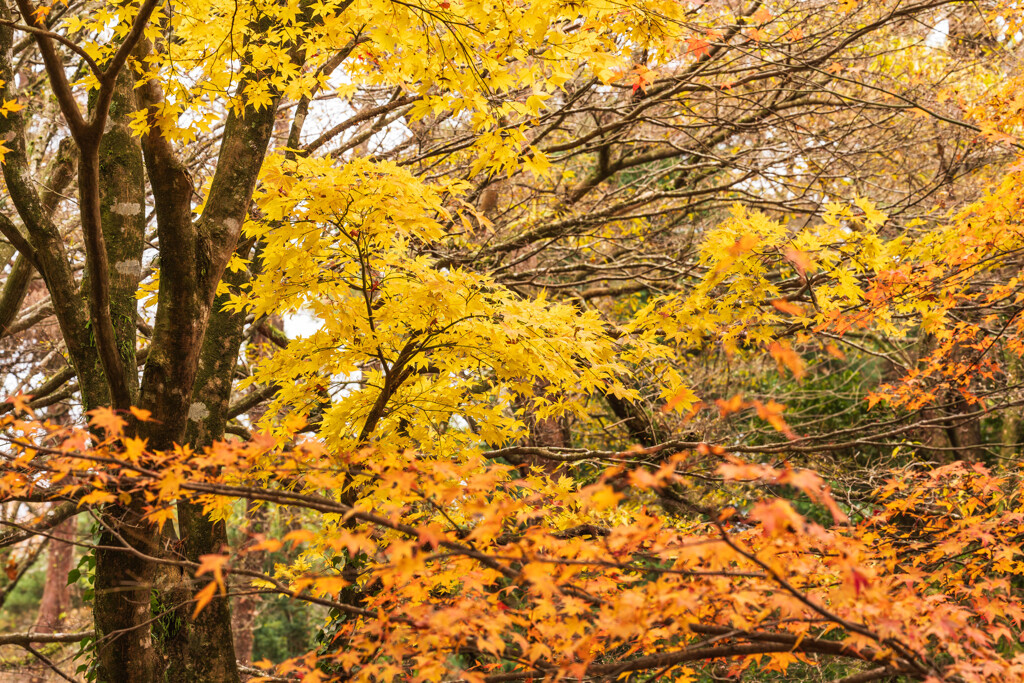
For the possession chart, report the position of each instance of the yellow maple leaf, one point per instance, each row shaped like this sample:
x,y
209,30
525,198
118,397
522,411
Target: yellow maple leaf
x,y
97,497
681,401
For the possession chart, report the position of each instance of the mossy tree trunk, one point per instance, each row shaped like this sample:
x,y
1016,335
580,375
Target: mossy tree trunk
x,y
142,616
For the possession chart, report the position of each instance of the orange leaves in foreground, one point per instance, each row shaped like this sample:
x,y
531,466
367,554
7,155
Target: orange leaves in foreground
x,y
807,481
770,412
467,569
210,564
784,355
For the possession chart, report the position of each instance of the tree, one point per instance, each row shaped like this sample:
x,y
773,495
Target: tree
x,y
512,226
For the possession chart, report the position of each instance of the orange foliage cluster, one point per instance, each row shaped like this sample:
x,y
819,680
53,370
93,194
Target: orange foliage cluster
x,y
466,565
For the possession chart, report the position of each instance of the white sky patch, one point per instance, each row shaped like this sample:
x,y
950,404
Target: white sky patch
x,y
301,324
939,34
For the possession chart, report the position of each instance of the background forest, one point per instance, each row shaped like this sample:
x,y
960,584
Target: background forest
x,y
511,340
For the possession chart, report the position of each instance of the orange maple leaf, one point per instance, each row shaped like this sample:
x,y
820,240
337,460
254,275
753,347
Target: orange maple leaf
x,y
787,306
106,419
698,46
784,354
204,597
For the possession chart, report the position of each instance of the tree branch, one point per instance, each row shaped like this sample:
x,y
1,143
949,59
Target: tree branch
x,y
52,518
54,70
9,230
48,662
30,637
71,45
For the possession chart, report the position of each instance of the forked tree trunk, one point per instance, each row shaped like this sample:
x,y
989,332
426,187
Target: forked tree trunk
x,y
143,593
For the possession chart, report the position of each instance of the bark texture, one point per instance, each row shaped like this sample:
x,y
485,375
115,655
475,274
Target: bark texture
x,y
56,597
144,584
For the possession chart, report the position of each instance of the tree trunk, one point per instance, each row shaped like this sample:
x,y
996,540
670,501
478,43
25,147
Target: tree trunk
x,y
641,427
544,432
202,648
56,597
246,606
142,608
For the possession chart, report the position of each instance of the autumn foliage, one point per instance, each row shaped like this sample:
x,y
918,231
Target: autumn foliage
x,y
471,568
517,341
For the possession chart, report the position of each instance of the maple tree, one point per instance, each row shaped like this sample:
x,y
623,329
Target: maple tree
x,y
595,289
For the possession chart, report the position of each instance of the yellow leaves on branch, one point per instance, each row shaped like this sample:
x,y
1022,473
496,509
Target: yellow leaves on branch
x,y
765,280
527,571
459,56
342,242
